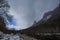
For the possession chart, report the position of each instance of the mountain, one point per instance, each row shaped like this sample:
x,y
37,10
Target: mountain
x,y
50,23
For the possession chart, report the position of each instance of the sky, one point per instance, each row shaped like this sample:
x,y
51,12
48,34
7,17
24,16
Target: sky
x,y
25,12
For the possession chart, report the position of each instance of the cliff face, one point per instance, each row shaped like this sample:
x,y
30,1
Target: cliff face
x,y
50,23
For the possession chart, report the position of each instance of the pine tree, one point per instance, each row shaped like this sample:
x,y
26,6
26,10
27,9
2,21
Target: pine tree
x,y
4,7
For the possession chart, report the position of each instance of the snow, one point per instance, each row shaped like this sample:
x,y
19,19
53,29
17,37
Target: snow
x,y
11,36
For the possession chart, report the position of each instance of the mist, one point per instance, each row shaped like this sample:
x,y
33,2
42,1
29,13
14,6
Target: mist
x,y
25,12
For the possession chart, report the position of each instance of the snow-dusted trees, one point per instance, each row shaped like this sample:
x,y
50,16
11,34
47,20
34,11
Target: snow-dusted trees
x,y
4,7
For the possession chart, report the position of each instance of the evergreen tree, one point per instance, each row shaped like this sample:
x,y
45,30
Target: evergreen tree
x,y
4,7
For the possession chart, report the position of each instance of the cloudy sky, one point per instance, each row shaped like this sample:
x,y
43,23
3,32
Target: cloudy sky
x,y
25,12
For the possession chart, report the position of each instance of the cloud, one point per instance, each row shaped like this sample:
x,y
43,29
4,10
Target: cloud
x,y
26,11
21,20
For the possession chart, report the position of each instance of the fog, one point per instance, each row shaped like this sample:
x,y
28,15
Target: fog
x,y
25,12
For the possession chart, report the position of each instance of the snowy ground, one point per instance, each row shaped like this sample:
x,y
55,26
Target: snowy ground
x,y
11,36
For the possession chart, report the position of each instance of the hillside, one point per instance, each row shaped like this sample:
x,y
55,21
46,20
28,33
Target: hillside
x,y
50,23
